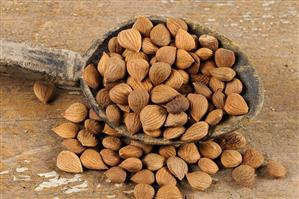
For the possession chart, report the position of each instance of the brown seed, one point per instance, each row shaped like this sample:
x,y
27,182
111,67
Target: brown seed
x,y
207,165
204,53
175,80
198,106
148,47
43,91
189,153
208,41
276,169
138,68
113,114
194,68
114,46
91,159
73,145
136,55
184,40
115,69
138,99
244,175
173,132
132,122
111,54
196,132
130,151
162,94
130,39
253,158
214,117
166,54
69,162
186,89
124,108
216,85
110,131
235,105
144,191
234,86
164,177
87,138
167,151
152,117
91,76
110,157
231,158
145,84
223,73
175,120
103,98
185,76
202,89
111,142
93,126
76,112
224,57
119,93
218,99
143,25
116,174
102,65
153,161
169,191
207,66
210,149
160,35
177,105
144,176
153,60
177,167
159,72
92,115
131,165
183,59
66,130
233,140
153,133
204,79
199,180
174,24
145,147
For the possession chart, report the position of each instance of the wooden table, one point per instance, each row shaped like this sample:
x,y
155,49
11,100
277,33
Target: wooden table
x,y
266,30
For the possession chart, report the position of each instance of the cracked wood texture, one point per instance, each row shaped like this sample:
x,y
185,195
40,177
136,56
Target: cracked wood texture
x,y
266,30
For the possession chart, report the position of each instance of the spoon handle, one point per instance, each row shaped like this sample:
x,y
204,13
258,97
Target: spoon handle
x,y
38,62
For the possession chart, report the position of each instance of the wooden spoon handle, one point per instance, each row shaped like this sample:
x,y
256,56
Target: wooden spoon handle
x,y
37,62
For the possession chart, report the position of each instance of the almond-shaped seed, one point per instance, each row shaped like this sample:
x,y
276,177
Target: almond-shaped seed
x,y
119,93
113,114
235,105
218,99
110,157
116,174
160,35
177,105
196,132
216,85
111,54
69,162
202,89
183,59
144,176
138,99
111,142
143,25
169,191
135,84
175,120
224,57
167,151
174,24
244,175
66,130
115,69
185,76
204,53
210,149
43,90
175,80
124,108
145,147
131,165
138,68
110,131
204,79
76,112
91,159
276,169
253,157
103,98
198,106
130,39
207,165
207,66
184,40
73,145
152,117
173,132
166,54
148,47
186,89
153,161
102,65
159,72
177,166
208,41
163,94
231,158
189,153
233,140
92,115
91,76
130,151
164,177
153,60
153,133
136,55
223,73
214,117
93,126
234,86
114,46
144,191
194,68
87,138
199,180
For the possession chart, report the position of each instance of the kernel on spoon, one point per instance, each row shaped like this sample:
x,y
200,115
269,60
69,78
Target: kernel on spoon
x,y
64,68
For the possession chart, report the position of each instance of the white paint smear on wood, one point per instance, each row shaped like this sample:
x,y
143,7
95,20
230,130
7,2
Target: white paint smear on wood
x,y
4,172
77,188
57,181
21,178
48,174
21,169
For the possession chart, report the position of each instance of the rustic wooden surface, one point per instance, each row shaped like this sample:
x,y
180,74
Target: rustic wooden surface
x,y
266,30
